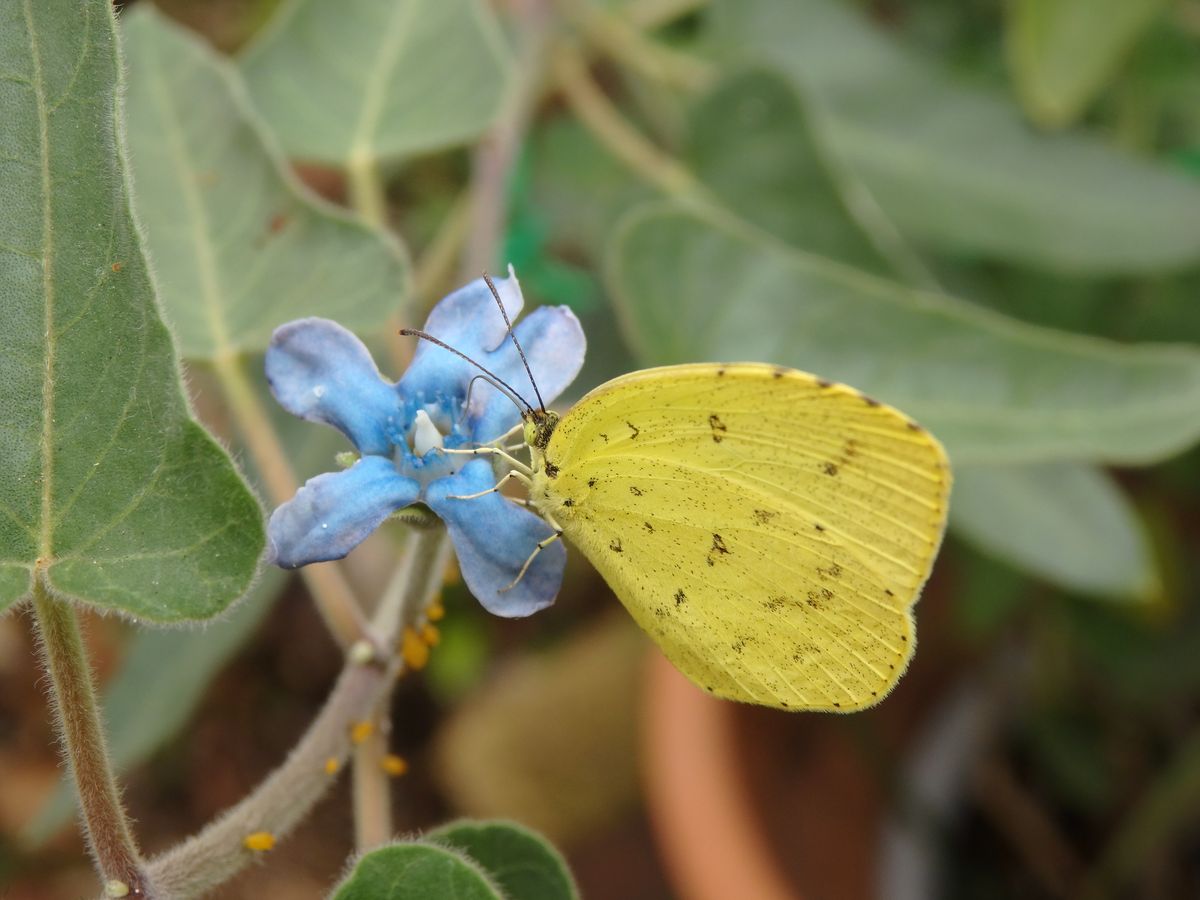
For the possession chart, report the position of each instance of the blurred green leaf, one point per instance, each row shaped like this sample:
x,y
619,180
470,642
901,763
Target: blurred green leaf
x,y
239,246
1068,523
522,863
956,167
1062,52
993,389
362,80
162,679
109,486
417,871
753,147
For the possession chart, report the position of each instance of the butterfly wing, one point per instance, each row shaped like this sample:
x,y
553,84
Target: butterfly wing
x,y
771,531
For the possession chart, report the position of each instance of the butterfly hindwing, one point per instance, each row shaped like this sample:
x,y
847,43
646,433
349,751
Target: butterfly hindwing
x,y
769,530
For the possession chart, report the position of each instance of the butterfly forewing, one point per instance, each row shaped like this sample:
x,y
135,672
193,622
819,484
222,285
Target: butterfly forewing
x,y
769,530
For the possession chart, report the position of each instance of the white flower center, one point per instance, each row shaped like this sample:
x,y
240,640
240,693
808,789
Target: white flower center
x,y
425,435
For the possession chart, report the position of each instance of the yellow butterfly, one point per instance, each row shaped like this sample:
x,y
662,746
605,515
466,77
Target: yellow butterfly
x,y
771,531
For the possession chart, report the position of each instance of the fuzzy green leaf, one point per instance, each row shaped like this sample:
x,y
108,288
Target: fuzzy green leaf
x,y
363,80
239,246
957,167
993,389
522,863
417,871
1065,522
109,486
1061,52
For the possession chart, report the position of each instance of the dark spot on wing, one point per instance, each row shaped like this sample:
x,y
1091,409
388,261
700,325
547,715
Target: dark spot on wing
x,y
775,604
779,373
635,490
591,482
818,526
649,527
635,431
718,428
822,383
833,571
829,468
551,470
568,502
738,646
851,448
680,597
615,546
720,372
913,426
718,544
661,612
837,705
870,401
888,591
604,436
763,516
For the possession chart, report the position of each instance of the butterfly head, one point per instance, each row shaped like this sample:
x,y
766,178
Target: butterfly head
x,y
539,425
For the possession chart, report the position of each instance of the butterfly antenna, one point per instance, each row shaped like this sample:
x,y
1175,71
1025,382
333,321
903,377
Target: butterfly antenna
x,y
516,343
491,378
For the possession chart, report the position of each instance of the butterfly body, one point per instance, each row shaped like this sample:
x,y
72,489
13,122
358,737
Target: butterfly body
x,y
770,530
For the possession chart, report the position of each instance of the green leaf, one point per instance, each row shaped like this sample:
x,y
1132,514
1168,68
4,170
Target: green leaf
x,y
416,871
162,679
993,389
522,863
1065,522
1062,52
363,80
752,145
239,246
109,487
956,167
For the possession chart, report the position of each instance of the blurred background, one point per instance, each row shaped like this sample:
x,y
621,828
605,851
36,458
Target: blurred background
x,y
986,213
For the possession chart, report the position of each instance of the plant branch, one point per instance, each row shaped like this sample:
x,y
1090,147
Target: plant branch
x,y
602,119
330,590
627,44
368,195
77,716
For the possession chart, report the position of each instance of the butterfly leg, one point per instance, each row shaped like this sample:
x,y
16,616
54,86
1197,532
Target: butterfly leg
x,y
495,451
540,546
512,474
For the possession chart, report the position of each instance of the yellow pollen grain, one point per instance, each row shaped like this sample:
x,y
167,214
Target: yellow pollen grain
x,y
435,612
414,650
430,635
259,841
394,765
331,766
360,732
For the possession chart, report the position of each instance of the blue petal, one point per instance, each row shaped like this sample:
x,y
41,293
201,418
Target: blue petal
x,y
333,513
469,321
554,345
321,372
492,539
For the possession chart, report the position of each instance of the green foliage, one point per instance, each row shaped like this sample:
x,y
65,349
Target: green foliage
x,y
109,486
994,390
346,82
523,864
465,860
1066,522
954,166
1062,51
239,246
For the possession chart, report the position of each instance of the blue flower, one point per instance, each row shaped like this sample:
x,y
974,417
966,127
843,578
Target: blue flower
x,y
321,372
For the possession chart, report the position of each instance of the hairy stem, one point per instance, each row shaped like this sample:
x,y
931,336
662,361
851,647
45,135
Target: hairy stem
x,y
77,716
330,591
371,788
